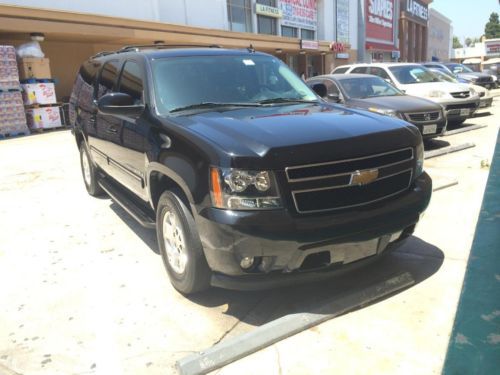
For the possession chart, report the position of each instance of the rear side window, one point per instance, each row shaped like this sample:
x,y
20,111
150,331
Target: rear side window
x,y
379,72
341,70
360,70
83,89
131,81
107,80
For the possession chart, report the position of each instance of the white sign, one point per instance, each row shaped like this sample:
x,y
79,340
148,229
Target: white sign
x,y
266,10
492,47
309,44
299,13
343,21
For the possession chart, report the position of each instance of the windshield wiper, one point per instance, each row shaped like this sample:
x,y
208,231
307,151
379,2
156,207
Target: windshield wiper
x,y
285,100
213,105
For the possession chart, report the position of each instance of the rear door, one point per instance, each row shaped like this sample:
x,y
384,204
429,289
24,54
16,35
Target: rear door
x,y
107,133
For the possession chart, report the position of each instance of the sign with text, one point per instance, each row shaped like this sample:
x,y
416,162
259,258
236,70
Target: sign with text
x,y
380,16
416,9
343,21
492,47
266,10
309,44
302,14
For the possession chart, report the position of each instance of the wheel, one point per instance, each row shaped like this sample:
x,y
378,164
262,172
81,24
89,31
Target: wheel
x,y
89,172
180,245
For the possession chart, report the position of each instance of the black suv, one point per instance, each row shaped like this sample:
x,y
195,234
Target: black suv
x,y
250,179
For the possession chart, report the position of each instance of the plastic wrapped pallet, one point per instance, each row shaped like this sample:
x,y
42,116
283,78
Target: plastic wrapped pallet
x,y
9,75
12,116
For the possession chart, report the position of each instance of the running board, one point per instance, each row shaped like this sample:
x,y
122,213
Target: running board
x,y
127,204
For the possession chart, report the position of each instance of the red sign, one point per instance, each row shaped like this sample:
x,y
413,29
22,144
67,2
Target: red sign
x,y
380,15
337,47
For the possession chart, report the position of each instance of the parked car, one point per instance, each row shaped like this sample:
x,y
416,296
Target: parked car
x,y
375,94
250,180
459,100
492,67
463,73
485,98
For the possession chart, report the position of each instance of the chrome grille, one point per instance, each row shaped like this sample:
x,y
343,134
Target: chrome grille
x,y
329,186
423,116
461,94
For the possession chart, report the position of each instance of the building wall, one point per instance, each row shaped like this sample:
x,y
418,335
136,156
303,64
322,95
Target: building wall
x,y
440,36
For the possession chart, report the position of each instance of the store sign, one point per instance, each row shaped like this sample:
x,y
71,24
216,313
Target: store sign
x,y
302,14
342,55
337,47
342,21
380,15
309,44
417,9
492,47
266,10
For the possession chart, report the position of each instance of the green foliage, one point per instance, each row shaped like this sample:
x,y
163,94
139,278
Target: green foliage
x,y
492,27
456,42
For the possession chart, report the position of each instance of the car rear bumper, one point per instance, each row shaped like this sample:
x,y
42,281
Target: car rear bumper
x,y
280,242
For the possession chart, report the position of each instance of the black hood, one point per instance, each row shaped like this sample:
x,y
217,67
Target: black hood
x,y
279,135
400,103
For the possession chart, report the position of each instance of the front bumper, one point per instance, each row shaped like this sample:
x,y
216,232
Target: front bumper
x,y
460,109
281,241
484,105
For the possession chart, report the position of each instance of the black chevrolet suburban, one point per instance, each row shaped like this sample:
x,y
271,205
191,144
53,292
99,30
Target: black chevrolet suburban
x,y
249,178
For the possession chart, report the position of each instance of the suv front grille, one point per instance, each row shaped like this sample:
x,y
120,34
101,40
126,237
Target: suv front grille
x,y
423,116
460,94
329,186
484,80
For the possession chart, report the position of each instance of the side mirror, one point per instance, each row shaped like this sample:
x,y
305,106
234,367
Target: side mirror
x,y
319,89
118,103
333,98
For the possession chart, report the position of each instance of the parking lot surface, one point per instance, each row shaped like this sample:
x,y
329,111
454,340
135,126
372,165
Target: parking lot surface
x,y
84,291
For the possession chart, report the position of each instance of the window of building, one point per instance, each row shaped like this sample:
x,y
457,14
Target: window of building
x,y
131,81
239,14
290,32
307,34
266,25
271,3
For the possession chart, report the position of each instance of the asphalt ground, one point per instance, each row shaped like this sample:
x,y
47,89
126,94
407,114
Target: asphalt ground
x,y
83,289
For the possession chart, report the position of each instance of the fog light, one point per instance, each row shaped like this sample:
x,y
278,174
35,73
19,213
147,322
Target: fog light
x,y
246,262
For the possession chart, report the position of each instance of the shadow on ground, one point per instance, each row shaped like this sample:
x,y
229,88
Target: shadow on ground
x,y
416,257
435,144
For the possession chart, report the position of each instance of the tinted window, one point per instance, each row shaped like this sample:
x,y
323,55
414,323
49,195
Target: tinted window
x,y
408,74
379,72
341,70
83,90
360,70
184,81
359,88
131,81
108,77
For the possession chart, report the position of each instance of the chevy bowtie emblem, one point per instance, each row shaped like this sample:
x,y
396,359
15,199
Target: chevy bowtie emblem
x,y
364,177
427,116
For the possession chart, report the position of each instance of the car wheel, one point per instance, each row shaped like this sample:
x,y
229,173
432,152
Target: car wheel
x,y
180,245
89,173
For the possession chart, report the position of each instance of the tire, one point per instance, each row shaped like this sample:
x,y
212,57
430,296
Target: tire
x,y
89,173
180,245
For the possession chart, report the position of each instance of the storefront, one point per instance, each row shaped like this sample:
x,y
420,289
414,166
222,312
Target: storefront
x,y
381,20
413,30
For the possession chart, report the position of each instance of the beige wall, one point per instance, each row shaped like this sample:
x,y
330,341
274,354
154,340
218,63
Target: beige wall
x,y
439,38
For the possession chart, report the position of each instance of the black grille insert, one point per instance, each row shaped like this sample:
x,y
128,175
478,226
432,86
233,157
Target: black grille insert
x,y
353,195
424,116
323,170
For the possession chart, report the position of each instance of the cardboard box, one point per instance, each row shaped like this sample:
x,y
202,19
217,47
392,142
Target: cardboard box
x,y
44,117
39,93
34,67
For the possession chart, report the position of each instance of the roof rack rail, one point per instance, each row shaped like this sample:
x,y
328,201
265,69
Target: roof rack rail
x,y
161,46
102,53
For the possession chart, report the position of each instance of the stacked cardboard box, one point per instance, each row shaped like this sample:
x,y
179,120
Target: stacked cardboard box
x,y
12,115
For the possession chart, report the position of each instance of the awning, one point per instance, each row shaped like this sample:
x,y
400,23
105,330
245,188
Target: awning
x,y
473,60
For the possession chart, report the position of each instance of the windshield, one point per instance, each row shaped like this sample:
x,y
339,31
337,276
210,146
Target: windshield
x,y
408,74
443,76
459,68
367,87
188,82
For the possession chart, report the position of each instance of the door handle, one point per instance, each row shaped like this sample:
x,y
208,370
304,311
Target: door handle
x,y
112,130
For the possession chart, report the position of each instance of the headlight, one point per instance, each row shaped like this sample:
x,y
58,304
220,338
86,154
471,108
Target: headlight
x,y
238,189
419,151
436,94
382,111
